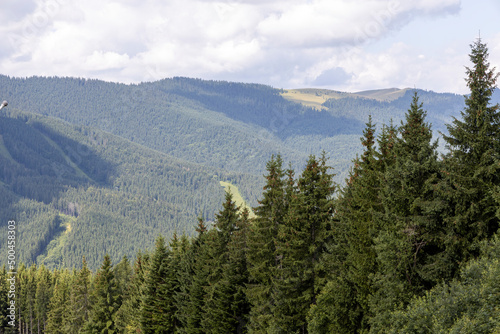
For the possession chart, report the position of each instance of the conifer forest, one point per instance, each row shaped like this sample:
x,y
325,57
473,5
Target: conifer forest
x,y
406,242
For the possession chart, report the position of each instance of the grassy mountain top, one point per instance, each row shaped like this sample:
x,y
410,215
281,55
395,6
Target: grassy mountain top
x,y
315,97
388,94
311,97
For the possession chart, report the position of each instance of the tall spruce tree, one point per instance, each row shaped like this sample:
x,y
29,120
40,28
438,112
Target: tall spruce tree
x,y
155,309
191,313
184,273
409,233
342,305
231,307
123,274
301,240
42,296
129,314
224,308
105,301
58,318
261,253
79,299
472,165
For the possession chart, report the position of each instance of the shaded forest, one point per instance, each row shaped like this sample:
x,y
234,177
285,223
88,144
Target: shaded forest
x,y
78,191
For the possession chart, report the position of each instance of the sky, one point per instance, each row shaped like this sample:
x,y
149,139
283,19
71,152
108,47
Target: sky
x,y
346,45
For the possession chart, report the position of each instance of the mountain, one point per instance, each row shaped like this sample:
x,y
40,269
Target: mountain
x,y
88,167
75,190
230,126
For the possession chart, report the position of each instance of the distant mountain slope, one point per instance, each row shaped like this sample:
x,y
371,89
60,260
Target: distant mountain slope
x,y
384,105
116,195
388,94
232,126
226,125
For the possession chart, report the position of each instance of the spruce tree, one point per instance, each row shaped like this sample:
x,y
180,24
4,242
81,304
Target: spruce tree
x,y
301,241
192,312
472,165
26,297
42,296
172,279
261,254
123,274
185,275
4,300
105,301
58,318
343,304
154,316
219,313
79,299
129,314
231,306
409,231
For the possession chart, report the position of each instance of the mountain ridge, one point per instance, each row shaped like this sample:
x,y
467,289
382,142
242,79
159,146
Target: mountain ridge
x,y
148,158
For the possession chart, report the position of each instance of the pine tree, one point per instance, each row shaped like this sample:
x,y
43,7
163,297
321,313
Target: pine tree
x,y
192,310
301,240
172,279
184,278
218,313
123,274
350,259
79,299
42,296
58,317
231,306
154,318
27,297
261,254
385,142
409,231
129,314
105,301
472,164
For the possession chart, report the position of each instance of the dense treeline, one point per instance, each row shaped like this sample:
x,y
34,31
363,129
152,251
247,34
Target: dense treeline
x,y
409,245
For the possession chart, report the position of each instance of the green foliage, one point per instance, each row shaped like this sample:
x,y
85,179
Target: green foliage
x,y
80,299
194,282
156,307
262,238
301,240
105,301
226,307
127,193
408,233
472,166
466,305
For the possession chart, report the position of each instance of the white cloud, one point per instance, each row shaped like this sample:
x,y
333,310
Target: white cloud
x,y
100,60
282,43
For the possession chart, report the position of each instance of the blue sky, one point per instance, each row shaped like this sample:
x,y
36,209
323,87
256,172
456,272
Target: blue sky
x,y
347,45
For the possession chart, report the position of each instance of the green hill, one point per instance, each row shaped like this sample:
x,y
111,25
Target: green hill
x,y
76,191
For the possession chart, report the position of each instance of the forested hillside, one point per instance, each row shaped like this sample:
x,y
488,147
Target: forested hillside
x,y
230,126
408,243
79,191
